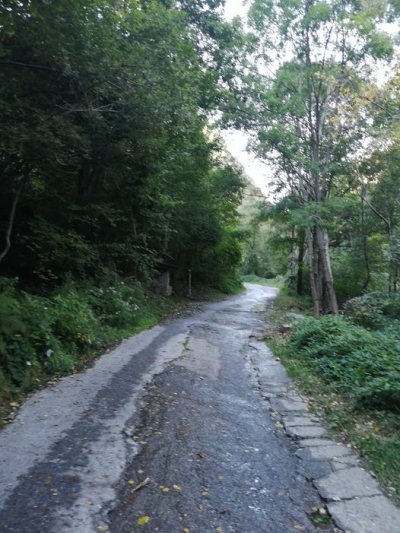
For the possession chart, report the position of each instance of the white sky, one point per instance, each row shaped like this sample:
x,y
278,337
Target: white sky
x,y
236,141
234,8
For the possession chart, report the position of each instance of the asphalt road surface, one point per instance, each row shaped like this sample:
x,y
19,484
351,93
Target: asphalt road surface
x,y
178,408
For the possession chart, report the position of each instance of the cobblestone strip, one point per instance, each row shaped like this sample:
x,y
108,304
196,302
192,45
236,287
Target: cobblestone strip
x,y
353,497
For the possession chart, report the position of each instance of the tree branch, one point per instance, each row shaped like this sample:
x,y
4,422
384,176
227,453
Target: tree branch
x,y
28,65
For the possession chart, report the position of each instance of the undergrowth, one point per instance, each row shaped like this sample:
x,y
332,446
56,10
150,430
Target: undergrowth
x,y
56,334
350,367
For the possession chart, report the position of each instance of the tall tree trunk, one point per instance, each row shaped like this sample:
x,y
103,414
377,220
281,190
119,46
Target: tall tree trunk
x,y
13,210
312,265
300,259
323,248
365,244
293,262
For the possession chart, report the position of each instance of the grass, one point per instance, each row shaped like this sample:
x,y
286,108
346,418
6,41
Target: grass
x,y
374,434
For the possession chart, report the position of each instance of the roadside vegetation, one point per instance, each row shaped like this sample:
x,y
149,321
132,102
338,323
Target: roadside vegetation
x,y
349,369
325,118
109,174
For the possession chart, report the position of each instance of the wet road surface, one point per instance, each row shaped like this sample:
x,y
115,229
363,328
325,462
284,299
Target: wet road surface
x,y
178,407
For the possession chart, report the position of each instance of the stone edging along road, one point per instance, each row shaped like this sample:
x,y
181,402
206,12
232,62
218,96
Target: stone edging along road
x,y
353,497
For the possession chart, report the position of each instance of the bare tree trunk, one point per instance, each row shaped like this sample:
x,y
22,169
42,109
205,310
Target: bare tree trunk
x,y
323,248
313,273
365,244
293,262
11,218
300,259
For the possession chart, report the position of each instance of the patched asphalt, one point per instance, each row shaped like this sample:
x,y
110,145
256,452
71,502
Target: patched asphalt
x,y
183,407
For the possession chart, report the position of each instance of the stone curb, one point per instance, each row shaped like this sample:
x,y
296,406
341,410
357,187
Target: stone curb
x,y
353,497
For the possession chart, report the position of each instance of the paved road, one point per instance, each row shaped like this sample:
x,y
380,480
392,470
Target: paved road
x,y
179,404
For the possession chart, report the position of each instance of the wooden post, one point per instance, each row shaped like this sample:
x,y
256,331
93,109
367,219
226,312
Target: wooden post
x,y
190,283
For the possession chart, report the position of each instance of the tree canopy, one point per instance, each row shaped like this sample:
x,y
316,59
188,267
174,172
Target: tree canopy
x,y
105,161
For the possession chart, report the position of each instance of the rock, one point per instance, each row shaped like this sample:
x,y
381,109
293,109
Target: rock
x,y
298,421
287,405
305,431
316,442
345,484
323,453
296,316
366,515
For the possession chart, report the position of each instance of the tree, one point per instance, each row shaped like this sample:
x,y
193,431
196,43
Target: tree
x,y
102,148
311,57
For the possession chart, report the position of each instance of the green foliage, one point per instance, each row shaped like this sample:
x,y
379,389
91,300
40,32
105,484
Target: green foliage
x,y
73,319
364,364
116,305
277,282
116,170
57,334
375,311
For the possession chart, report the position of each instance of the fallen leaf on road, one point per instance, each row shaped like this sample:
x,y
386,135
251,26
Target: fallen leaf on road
x,y
336,499
131,482
299,527
89,502
164,489
219,529
177,487
200,507
186,530
143,520
102,528
205,493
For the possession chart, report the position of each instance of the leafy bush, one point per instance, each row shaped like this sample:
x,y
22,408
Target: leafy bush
x,y
374,310
117,306
381,393
45,335
73,319
363,363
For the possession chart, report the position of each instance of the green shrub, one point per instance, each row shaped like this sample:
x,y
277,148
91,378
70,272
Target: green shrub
x,y
50,335
381,393
74,323
117,306
363,363
374,310
311,332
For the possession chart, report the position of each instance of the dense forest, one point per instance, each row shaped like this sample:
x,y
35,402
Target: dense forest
x,y
109,170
